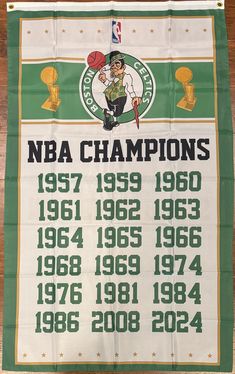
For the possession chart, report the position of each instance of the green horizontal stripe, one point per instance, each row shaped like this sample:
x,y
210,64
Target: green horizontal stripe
x,y
168,91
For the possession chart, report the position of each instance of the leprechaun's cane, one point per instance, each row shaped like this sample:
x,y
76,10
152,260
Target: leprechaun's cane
x,y
135,108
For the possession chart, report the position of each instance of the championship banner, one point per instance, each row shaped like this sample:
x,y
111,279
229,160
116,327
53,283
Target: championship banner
x,y
119,188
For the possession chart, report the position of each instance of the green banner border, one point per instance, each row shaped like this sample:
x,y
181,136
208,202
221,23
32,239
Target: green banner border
x,y
226,201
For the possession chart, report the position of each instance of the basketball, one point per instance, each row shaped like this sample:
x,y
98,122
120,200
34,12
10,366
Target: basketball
x,y
96,60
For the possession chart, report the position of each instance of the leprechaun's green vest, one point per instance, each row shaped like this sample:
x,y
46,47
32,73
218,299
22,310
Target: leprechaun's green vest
x,y
115,90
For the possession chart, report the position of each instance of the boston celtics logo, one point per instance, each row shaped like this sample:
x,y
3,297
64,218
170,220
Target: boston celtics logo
x,y
116,88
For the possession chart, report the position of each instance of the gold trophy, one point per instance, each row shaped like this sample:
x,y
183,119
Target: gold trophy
x,y
49,76
184,75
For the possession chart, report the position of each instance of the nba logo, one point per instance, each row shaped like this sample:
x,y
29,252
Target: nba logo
x,y
116,32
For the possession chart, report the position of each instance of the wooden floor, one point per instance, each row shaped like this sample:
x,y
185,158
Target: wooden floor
x,y
230,19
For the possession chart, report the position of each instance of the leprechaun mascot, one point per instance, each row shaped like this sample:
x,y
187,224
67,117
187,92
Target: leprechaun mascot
x,y
116,90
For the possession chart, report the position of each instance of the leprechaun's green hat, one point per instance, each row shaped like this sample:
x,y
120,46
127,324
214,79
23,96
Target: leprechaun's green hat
x,y
116,55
